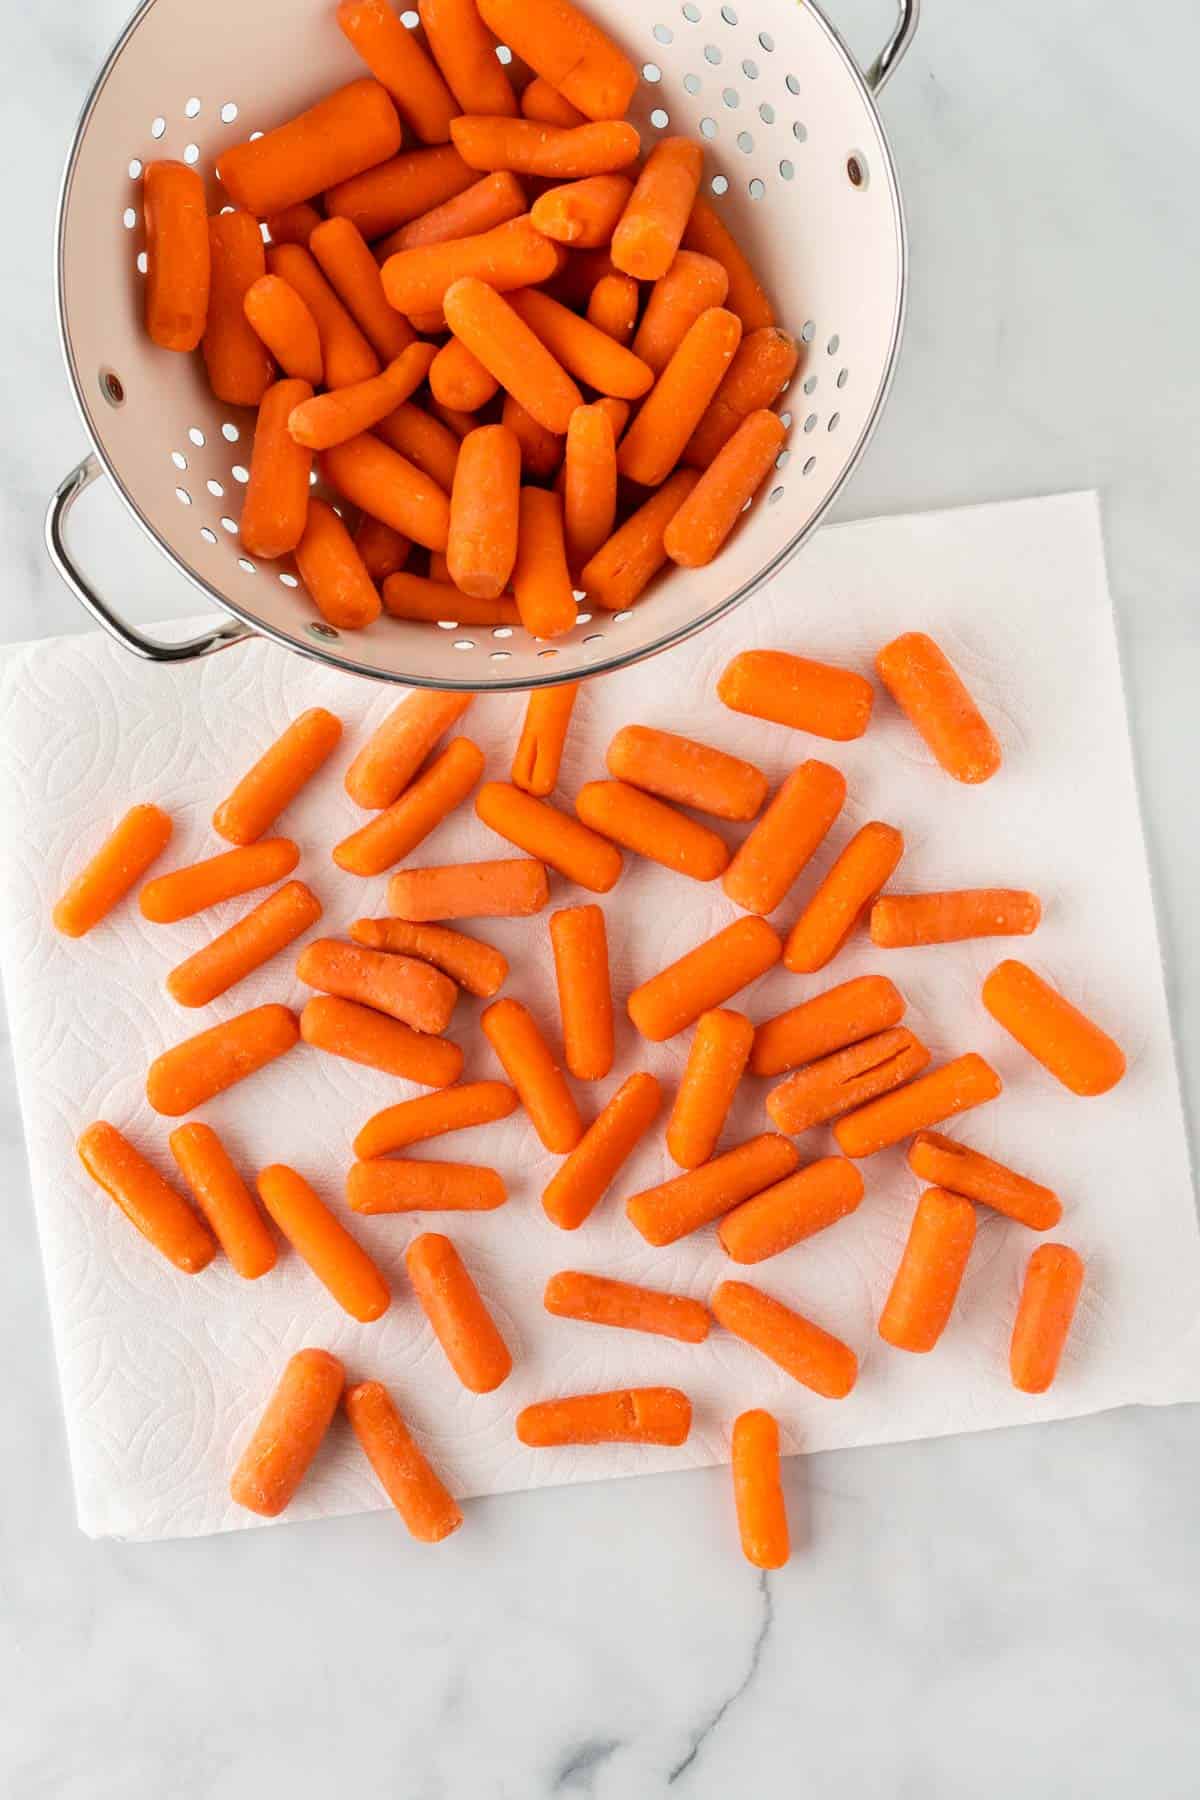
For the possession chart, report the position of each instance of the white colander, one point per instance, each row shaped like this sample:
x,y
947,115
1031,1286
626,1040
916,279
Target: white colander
x,y
796,159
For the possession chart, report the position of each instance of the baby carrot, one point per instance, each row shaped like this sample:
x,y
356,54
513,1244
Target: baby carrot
x,y
338,1260
392,1186
396,749
190,890
162,1216
396,58
843,897
672,409
456,1108
830,1021
512,1032
510,350
583,213
900,920
716,1059
239,369
563,45
188,1074
703,978
613,307
690,774
792,690
918,1307
117,866
371,475
541,579
391,195
800,1348
708,234
178,257
402,986
765,361
648,235
796,823
923,683
429,1511
809,1201
598,1301
953,1088
589,490
484,509
652,829
489,201
758,1490
508,888
528,147
423,441
690,286
332,570
293,224
330,419
538,755
353,274
609,1141
414,597
552,836
477,967
1049,1296
289,1434
634,554
224,1199
509,256
539,100
454,1307
575,281
408,821
275,508
845,1079
678,1207
465,52
384,551
946,1163
580,942
1063,1039
346,353
362,1035
350,130
276,313
736,473
458,379
648,1415
541,450
248,943
278,776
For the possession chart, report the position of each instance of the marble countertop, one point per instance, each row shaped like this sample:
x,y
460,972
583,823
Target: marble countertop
x,y
967,1616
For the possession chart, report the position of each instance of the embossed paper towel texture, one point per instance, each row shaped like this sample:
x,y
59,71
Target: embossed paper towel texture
x,y
163,1376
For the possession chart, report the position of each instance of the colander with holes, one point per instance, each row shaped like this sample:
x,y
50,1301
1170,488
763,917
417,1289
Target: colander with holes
x,y
797,158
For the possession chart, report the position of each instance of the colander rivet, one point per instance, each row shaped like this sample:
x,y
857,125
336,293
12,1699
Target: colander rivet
x,y
318,630
112,387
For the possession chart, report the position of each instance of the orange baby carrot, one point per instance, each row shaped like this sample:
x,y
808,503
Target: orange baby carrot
x,y
248,943
539,100
541,450
678,1207
634,554
575,281
454,1307
1049,1296
512,352
457,1108
508,888
338,1260
224,1199
477,967
408,821
703,978
332,418
346,353
552,836
489,201
1064,1040
765,361
647,1415
843,897
690,286
830,1021
580,942
117,866
918,1307
900,920
422,441
384,551
945,1163
716,1059
178,258
239,369
413,597
278,776
541,580
394,193
809,1201
953,1088
652,829
686,772
465,52
583,213
652,445
571,1294
708,234
396,58
792,690
389,1186
528,147
923,683
589,491
484,512
509,256
371,475
276,504
353,274
289,1434
395,751
429,1511
770,857
276,313
613,307
333,572
188,1074
758,1490
362,1035
527,1061
801,1349
845,1079
609,1141
581,348
459,424
538,755
203,884
162,1216
293,224
564,47
648,235
402,986
711,510
458,380
350,130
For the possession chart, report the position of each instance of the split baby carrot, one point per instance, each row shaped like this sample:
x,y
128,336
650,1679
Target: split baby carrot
x,y
275,508
567,49
649,1415
484,511
371,475
758,1490
248,943
384,199
845,1079
713,507
924,684
538,755
333,571
477,967
121,861
589,486
708,234
190,890
765,361
276,314
803,1350
350,130
720,1045
808,1201
673,408
580,944
792,829
647,237
338,1260
362,1035
953,1088
926,1284
607,1144
353,274
331,418
239,368
508,888
528,147
843,897
465,52
1049,1296
490,200
457,1108
945,1163
394,752
418,1495
509,256
651,828
552,836
178,257
454,1307
830,1021
289,1434
224,1199
512,352
901,920
794,691
278,776
393,1186
675,1209
188,1074
691,774
396,831
1064,1040
526,1058
163,1216
396,58
623,567
346,354
690,286
598,1301
402,986
582,214
703,978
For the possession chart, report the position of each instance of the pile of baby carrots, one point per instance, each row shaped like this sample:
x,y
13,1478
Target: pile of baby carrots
x,y
503,339
385,996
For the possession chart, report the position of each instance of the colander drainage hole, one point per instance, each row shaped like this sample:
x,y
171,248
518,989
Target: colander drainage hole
x,y
210,537
503,631
843,377
503,53
787,169
135,169
230,432
745,142
660,118
711,54
691,84
663,34
750,70
228,524
249,567
240,474
810,424
464,643
708,129
651,72
785,419
766,40
192,107
196,436
800,131
411,19
289,581
543,654
141,262
757,189
129,218
501,655
731,97
215,489
775,494
834,419
810,385
729,16
157,127
719,184
179,459
191,153
183,497
808,330
229,112
791,84
691,13
810,465
595,637
620,618
766,113
833,346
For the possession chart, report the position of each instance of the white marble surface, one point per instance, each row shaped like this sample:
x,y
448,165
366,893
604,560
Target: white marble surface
x,y
973,1616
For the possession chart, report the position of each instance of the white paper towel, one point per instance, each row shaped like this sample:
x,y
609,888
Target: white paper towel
x,y
163,1376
